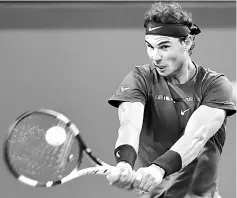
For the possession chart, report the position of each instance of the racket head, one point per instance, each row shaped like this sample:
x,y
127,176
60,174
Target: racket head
x,y
33,161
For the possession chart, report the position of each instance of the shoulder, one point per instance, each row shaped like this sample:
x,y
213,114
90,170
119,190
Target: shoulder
x,y
209,77
215,85
144,70
207,73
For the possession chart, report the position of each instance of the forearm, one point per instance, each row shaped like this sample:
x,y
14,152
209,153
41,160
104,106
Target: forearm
x,y
130,117
127,134
192,142
202,125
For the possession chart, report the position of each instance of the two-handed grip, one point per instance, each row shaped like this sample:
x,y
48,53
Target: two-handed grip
x,y
98,170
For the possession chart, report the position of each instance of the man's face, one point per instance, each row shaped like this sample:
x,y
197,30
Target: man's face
x,y
167,53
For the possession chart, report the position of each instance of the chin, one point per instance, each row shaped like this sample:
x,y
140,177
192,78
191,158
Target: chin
x,y
163,73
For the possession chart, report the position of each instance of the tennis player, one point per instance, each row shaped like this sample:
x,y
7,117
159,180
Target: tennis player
x,y
173,114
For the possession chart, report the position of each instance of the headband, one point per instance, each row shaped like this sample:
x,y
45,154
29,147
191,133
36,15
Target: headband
x,y
172,30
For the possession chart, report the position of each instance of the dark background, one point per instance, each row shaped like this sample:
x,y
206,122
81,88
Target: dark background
x,y
71,57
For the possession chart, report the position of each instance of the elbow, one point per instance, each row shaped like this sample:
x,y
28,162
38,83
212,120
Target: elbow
x,y
219,117
202,137
199,136
207,131
204,130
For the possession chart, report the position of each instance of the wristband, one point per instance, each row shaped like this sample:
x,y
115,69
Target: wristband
x,y
125,153
170,161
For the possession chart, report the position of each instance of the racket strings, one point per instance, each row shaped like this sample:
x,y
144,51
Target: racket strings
x,y
33,157
65,150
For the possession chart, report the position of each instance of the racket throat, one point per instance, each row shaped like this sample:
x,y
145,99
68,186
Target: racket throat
x,y
63,157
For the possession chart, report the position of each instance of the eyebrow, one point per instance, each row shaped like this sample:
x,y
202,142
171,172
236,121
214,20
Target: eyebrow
x,y
161,43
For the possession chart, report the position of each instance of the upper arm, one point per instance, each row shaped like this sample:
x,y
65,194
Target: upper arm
x,y
131,113
131,119
202,125
133,88
205,119
205,114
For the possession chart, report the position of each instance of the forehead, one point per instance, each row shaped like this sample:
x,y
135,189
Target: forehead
x,y
156,39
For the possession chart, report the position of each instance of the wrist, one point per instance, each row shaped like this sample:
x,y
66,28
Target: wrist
x,y
125,153
170,162
124,164
158,168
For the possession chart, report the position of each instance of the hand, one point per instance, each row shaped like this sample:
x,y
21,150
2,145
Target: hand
x,y
148,178
122,176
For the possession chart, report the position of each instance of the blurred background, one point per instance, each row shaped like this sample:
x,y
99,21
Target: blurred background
x,y
72,56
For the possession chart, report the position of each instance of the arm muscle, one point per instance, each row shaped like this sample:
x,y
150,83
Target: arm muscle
x,y
202,125
131,119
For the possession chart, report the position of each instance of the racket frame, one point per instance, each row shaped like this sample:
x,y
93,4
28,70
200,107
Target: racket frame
x,y
83,149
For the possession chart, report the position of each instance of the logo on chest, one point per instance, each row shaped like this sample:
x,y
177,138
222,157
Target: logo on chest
x,y
183,112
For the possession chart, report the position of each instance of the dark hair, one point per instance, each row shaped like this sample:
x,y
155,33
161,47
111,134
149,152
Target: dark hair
x,y
169,13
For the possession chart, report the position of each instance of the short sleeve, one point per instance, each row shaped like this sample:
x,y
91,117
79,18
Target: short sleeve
x,y
217,93
132,89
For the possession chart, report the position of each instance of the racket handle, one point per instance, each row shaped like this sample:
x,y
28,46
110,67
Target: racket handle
x,y
99,170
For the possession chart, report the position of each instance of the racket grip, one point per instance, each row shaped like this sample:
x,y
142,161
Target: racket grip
x,y
99,170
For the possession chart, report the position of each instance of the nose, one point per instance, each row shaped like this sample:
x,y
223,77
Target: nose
x,y
157,56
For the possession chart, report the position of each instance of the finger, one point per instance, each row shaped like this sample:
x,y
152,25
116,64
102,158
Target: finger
x,y
152,186
144,180
121,182
137,180
113,176
129,181
124,175
148,184
143,194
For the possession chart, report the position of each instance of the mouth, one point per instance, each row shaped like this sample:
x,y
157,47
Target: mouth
x,y
160,66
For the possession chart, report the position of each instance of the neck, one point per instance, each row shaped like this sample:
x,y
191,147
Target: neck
x,y
184,73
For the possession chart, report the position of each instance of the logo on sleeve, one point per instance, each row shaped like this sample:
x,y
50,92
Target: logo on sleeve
x,y
124,88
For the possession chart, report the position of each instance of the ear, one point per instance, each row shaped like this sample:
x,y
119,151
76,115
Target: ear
x,y
188,42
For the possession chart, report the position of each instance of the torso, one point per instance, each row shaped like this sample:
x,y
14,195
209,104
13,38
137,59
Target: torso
x,y
167,111
168,108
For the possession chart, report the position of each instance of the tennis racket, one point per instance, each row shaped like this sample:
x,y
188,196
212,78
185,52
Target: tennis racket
x,y
35,162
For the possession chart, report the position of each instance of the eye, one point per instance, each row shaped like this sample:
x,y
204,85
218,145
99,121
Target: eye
x,y
150,46
164,47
